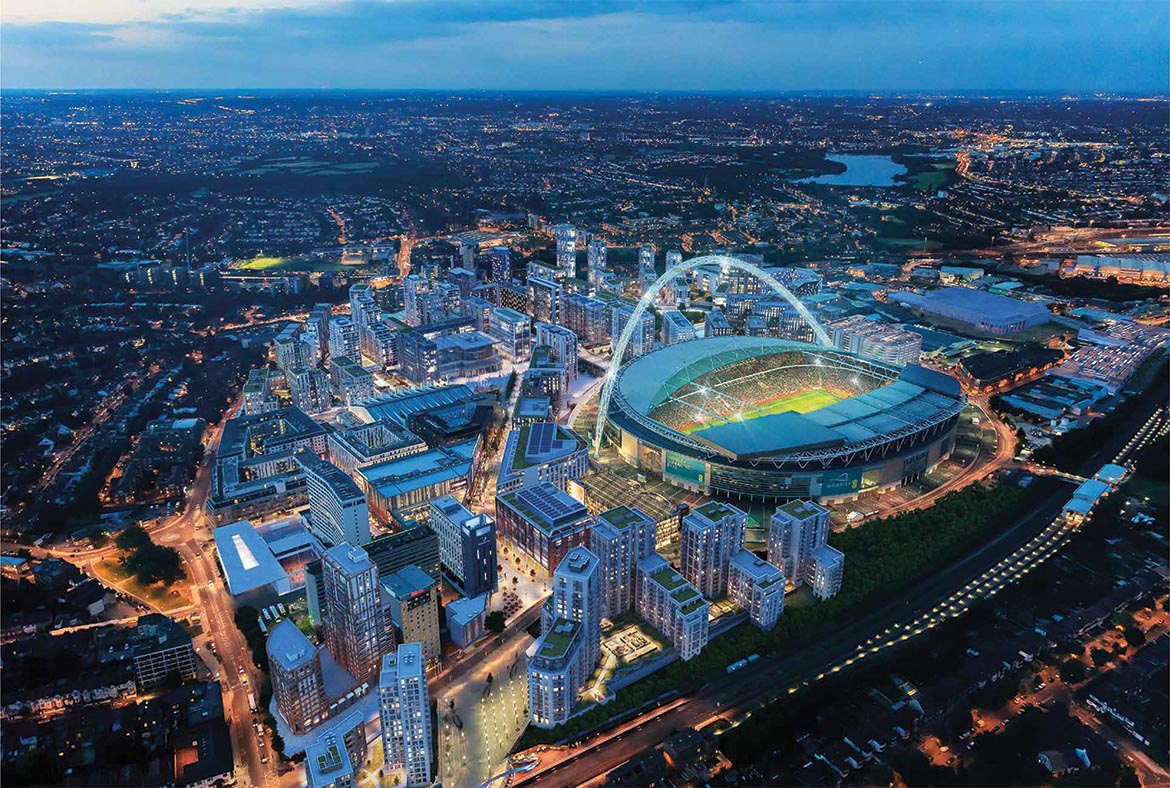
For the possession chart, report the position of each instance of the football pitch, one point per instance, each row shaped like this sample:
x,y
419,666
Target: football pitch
x,y
801,402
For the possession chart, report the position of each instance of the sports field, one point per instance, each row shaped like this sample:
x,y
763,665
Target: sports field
x,y
801,402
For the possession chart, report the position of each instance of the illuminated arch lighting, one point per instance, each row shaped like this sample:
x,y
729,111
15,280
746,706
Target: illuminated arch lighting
x,y
648,298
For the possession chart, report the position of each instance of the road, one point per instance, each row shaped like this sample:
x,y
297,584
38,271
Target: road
x,y
1032,539
82,436
190,534
1005,452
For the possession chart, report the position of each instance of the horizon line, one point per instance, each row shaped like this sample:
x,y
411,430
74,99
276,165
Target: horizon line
x,y
884,92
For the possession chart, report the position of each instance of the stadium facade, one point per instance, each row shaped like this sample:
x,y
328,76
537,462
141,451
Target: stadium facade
x,y
770,419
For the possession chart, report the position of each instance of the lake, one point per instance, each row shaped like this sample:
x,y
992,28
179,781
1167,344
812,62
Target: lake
x,y
861,171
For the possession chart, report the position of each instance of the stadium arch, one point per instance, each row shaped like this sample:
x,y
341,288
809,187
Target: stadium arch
x,y
648,297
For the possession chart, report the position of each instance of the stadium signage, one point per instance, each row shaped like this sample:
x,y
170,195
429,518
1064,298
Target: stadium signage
x,y
685,470
841,482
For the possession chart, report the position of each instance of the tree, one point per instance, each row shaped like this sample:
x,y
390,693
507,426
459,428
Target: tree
x,y
132,538
1072,671
1135,637
1099,656
958,718
156,563
495,622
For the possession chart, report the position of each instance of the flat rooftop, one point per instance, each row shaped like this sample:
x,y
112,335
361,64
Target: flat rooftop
x,y
578,561
802,509
545,506
353,560
622,517
288,646
408,581
714,510
443,463
540,443
761,572
466,609
247,560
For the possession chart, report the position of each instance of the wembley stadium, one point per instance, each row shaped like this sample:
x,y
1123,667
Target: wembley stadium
x,y
772,419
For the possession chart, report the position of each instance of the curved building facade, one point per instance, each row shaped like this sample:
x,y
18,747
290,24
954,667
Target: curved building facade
x,y
770,419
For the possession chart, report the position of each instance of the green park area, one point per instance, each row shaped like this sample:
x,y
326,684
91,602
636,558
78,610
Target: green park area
x,y
112,572
146,570
933,179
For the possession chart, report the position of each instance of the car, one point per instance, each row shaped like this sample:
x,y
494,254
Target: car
x,y
244,681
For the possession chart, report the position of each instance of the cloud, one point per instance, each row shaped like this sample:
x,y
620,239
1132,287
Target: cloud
x,y
131,12
590,44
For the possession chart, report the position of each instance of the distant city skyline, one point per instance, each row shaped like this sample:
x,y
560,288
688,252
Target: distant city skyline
x,y
688,45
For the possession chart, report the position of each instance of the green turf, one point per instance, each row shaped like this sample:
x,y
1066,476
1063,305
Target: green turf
x,y
296,264
263,263
801,402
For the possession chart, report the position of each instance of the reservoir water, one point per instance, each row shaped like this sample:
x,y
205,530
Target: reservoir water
x,y
861,171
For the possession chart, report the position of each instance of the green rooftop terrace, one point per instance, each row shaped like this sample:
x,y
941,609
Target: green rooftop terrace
x,y
801,509
557,642
685,594
668,578
542,356
713,510
331,759
692,606
622,517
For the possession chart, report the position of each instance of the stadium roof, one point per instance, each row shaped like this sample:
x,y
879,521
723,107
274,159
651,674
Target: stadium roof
x,y
916,396
777,432
649,380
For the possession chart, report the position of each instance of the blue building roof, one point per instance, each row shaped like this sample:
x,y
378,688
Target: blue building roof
x,y
397,407
444,463
288,646
466,609
408,581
